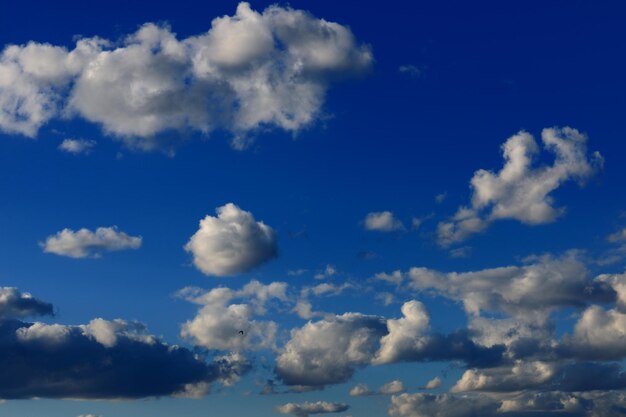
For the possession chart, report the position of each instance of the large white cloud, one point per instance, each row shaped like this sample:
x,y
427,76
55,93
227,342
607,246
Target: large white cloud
x,y
520,190
246,72
85,243
231,243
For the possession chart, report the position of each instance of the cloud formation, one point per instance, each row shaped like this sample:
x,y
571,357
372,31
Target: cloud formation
x,y
382,221
87,244
16,304
248,71
307,408
77,146
329,351
231,243
521,191
532,290
223,325
100,360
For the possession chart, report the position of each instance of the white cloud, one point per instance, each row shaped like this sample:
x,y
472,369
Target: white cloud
x,y
443,405
520,376
618,236
330,350
85,243
361,390
328,272
50,334
411,70
392,387
231,243
306,408
520,190
77,146
248,71
382,221
528,292
599,334
223,325
406,334
396,277
433,383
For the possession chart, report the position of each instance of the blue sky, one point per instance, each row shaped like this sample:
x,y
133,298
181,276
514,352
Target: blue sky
x,y
396,192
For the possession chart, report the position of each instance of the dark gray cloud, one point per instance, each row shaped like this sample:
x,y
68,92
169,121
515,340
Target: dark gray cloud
x,y
100,360
16,304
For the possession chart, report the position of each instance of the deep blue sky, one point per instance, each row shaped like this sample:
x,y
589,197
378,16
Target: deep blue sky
x,y
388,141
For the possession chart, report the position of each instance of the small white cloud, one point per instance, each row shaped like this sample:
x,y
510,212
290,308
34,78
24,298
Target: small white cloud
x,y
231,243
328,272
361,390
462,252
411,70
439,198
393,387
395,277
618,236
307,408
433,383
77,146
382,221
85,243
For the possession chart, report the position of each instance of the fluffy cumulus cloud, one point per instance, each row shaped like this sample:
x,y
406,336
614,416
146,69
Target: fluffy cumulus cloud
x,y
222,324
85,243
99,360
521,190
512,309
433,383
231,243
361,390
598,334
307,408
382,221
16,304
392,387
329,351
77,146
248,71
